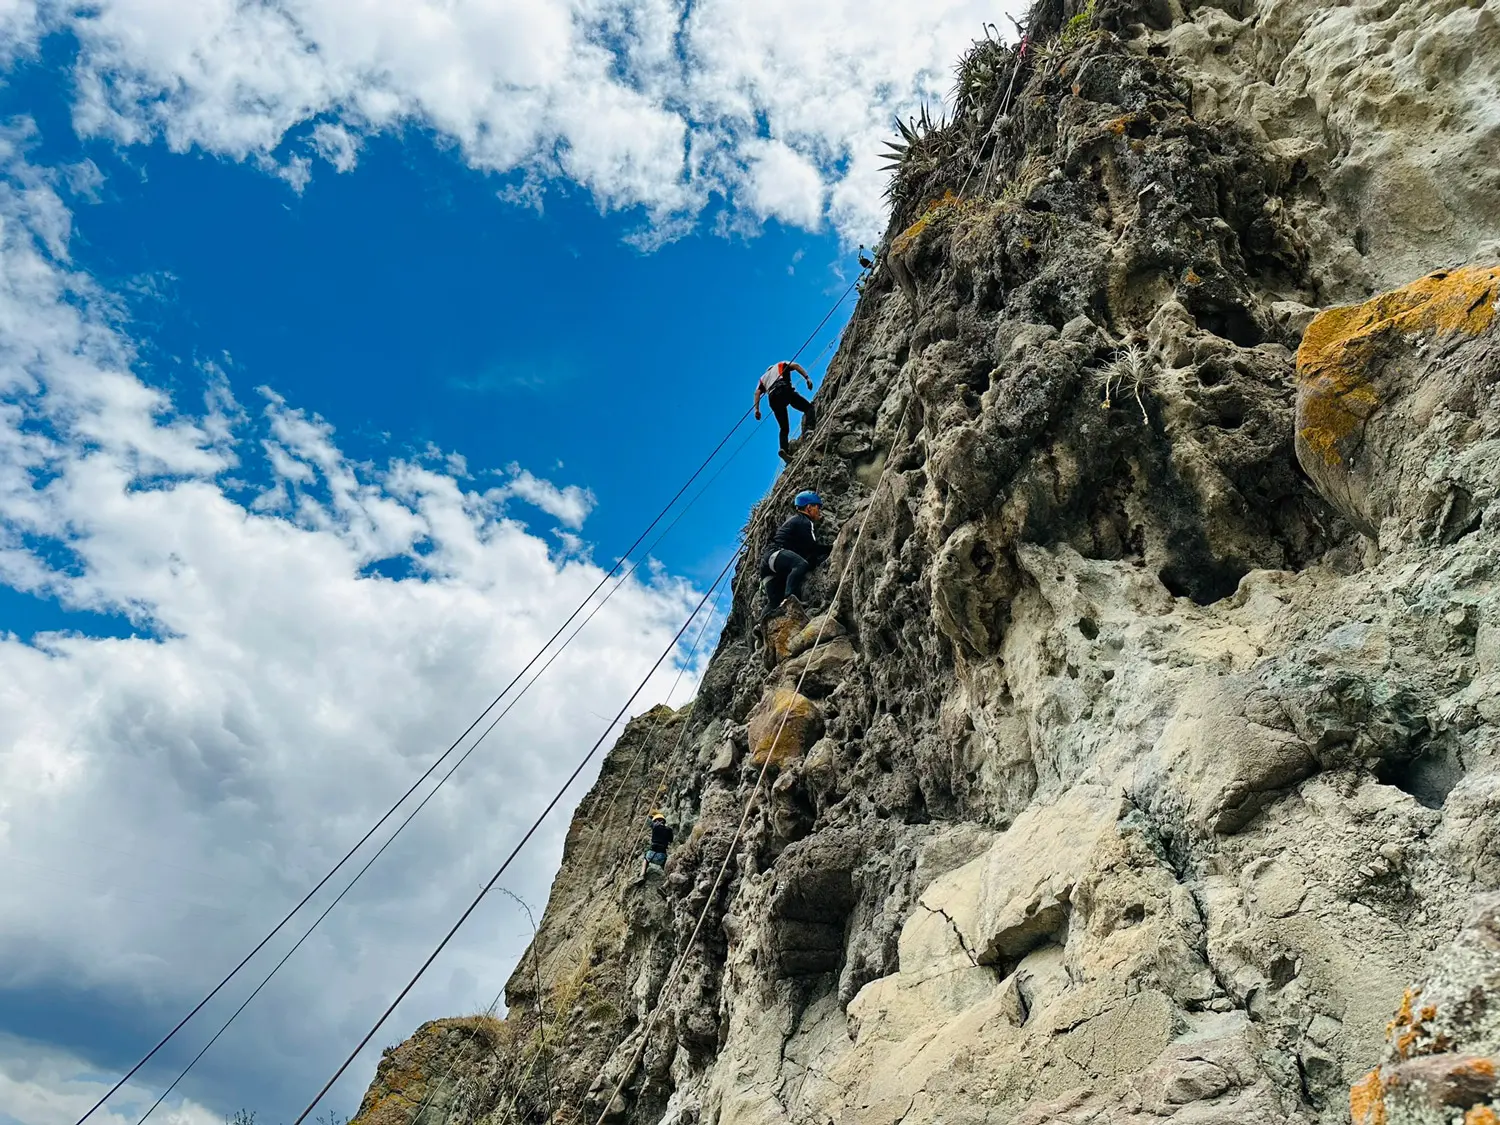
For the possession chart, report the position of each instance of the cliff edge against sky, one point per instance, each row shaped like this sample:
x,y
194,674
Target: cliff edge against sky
x,y
1144,768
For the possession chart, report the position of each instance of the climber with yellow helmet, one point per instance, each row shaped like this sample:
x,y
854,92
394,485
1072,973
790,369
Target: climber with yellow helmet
x,y
661,838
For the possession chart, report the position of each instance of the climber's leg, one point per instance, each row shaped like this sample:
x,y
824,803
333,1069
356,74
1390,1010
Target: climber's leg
x,y
779,397
796,570
809,412
774,582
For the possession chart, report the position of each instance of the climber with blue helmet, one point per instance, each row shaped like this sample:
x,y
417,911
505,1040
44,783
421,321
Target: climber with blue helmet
x,y
776,385
793,551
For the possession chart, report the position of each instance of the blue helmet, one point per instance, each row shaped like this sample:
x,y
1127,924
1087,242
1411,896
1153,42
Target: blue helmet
x,y
806,499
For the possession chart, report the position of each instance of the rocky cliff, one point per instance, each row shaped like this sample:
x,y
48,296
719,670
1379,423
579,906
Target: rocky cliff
x,y
1141,764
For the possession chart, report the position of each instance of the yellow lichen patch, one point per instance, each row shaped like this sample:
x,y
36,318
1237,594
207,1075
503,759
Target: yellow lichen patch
x,y
1120,125
1481,1115
1367,1100
783,727
1333,361
934,210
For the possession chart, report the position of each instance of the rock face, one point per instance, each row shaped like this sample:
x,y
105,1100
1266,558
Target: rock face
x,y
1140,761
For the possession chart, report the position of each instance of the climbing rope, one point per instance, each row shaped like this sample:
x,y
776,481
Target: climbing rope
x,y
426,774
431,769
739,830
536,970
656,726
624,578
504,866
645,746
826,318
744,537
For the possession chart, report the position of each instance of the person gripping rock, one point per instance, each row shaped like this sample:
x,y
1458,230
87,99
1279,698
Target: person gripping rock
x,y
661,839
776,385
793,551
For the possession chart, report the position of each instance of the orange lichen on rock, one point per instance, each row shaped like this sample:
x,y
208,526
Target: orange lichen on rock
x,y
1481,1115
1367,1100
908,238
1404,1016
1480,1070
1332,363
1408,1031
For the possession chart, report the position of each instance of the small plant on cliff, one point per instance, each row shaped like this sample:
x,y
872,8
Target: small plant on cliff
x,y
1077,29
1126,375
981,73
919,141
924,146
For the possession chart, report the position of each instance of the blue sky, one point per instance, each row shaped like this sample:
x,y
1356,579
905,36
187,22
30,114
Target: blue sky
x,y
340,345
410,307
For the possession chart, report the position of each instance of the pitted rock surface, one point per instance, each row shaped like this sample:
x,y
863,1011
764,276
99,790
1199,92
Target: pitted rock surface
x,y
1148,760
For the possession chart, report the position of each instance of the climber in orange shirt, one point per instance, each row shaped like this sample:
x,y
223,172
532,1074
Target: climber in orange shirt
x,y
776,385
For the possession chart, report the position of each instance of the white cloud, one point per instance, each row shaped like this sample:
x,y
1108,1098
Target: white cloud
x,y
164,797
571,504
43,1087
655,103
784,185
337,145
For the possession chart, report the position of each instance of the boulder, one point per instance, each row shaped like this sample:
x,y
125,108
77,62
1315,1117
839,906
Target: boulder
x,y
1398,420
818,671
819,630
783,726
781,629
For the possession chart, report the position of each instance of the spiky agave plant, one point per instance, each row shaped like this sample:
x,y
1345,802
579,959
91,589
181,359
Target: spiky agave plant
x,y
921,148
916,137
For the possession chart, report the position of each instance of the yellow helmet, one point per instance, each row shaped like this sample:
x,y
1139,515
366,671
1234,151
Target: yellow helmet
x,y
657,814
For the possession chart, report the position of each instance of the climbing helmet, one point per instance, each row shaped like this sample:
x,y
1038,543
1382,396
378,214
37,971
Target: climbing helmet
x,y
806,500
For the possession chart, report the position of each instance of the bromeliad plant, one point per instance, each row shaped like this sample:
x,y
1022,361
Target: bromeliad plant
x,y
981,73
984,75
923,146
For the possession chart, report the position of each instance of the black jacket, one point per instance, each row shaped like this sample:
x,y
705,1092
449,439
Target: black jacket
x,y
798,535
661,836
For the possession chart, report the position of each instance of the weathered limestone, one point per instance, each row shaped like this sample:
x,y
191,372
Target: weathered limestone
x,y
1398,406
1149,756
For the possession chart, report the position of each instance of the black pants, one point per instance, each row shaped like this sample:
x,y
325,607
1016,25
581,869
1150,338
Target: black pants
x,y
780,396
786,570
